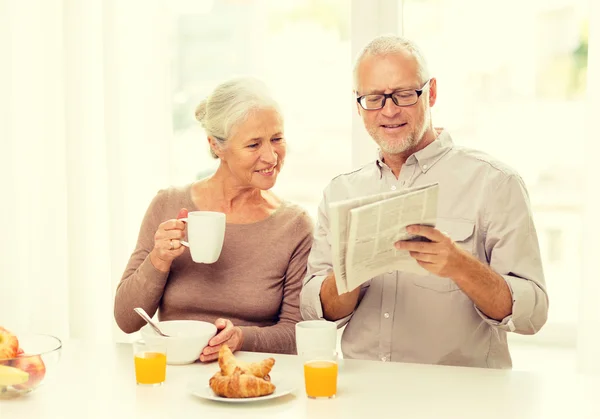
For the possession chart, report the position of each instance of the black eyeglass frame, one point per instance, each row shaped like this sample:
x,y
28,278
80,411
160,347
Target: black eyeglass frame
x,y
387,96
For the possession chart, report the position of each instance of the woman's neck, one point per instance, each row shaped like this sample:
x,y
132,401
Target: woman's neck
x,y
223,191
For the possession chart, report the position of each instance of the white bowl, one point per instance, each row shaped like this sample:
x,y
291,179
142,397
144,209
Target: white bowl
x,y
186,339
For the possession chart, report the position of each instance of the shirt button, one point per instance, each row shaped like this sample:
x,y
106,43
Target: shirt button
x,y
386,315
393,188
424,167
384,358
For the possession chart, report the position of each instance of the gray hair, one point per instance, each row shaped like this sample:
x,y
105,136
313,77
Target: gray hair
x,y
229,104
393,44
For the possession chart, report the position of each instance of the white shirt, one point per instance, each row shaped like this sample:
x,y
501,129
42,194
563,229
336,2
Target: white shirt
x,y
484,207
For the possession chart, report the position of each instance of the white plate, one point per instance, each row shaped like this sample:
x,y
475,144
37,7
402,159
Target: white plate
x,y
200,388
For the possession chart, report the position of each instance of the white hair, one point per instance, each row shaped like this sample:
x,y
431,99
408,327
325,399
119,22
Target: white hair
x,y
229,104
393,44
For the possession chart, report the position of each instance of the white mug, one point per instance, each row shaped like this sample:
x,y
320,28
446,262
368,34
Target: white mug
x,y
205,233
316,335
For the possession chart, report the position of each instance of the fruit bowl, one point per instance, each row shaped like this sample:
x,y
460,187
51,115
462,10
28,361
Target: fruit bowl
x,y
36,359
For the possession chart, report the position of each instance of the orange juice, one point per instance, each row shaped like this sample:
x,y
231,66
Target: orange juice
x,y
150,367
320,378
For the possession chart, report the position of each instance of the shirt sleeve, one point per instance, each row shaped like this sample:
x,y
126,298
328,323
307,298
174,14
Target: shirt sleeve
x,y
281,337
319,267
513,251
141,285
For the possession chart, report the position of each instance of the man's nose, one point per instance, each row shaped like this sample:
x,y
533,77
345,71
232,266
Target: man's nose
x,y
390,108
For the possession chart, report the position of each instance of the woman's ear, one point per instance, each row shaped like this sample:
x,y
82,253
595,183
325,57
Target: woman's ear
x,y
214,146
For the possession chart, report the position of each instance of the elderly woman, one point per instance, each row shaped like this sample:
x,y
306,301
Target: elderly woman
x,y
251,292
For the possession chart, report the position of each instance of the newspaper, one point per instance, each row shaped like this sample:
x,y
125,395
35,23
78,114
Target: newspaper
x,y
364,231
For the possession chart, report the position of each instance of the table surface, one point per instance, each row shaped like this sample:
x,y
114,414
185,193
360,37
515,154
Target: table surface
x,y
96,380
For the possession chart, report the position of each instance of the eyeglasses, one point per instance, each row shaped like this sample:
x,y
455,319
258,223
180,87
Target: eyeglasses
x,y
399,97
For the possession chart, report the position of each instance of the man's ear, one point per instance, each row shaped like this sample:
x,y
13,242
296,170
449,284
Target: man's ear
x,y
432,91
358,108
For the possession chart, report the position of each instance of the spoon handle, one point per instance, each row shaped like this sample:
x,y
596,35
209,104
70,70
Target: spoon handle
x,y
145,316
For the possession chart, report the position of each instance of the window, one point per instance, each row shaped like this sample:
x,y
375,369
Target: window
x,y
514,86
555,241
290,44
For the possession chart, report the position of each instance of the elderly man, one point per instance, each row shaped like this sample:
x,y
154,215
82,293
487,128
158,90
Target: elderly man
x,y
485,273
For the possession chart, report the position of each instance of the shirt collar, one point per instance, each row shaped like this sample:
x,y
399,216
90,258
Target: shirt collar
x,y
427,157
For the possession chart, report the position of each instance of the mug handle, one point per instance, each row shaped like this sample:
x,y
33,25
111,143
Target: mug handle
x,y
183,242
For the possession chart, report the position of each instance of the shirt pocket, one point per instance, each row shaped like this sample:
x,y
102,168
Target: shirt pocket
x,y
462,233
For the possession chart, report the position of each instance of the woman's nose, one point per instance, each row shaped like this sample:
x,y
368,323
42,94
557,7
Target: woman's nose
x,y
269,155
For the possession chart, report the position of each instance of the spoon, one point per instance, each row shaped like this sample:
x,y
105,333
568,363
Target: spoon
x,y
145,316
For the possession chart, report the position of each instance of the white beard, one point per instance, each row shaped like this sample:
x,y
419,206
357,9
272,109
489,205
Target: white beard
x,y
410,141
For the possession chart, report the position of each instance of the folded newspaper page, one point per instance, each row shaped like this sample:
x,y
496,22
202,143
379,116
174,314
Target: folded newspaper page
x,y
364,231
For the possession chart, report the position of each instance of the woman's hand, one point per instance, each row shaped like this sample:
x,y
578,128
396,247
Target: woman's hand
x,y
166,242
228,334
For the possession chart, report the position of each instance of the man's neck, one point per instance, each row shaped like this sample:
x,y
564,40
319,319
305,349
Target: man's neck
x,y
396,161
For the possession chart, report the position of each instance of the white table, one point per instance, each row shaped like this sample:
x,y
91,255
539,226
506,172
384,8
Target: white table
x,y
97,381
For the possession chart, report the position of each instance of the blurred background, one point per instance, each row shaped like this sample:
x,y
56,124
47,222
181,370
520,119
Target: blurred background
x,y
97,114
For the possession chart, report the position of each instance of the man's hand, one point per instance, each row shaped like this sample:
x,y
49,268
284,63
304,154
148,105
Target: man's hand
x,y
227,334
441,256
337,306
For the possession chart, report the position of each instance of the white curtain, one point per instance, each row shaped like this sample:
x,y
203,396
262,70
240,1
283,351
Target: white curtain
x,y
85,130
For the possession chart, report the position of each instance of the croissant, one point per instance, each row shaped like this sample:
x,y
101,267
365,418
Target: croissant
x,y
228,363
237,379
240,385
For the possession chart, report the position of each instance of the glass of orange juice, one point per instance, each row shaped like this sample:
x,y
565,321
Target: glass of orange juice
x,y
320,373
150,362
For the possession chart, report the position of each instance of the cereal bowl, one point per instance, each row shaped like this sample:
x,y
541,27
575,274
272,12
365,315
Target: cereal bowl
x,y
187,339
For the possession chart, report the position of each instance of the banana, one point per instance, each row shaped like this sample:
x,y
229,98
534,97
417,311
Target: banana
x,y
10,376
